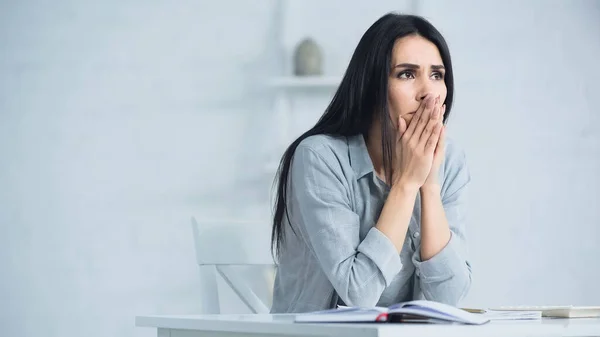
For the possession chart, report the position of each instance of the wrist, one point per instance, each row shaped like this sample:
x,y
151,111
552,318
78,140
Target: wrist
x,y
404,187
431,188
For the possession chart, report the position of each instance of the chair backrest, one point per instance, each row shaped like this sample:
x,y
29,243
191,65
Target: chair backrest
x,y
222,245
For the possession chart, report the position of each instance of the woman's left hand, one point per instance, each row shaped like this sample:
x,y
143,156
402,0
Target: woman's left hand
x,y
438,155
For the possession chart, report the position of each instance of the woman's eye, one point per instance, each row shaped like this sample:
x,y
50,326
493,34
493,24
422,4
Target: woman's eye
x,y
438,75
406,75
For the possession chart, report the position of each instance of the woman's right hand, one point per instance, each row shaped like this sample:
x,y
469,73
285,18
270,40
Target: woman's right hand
x,y
416,144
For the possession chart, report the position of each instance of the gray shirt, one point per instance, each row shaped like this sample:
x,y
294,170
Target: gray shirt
x,y
335,255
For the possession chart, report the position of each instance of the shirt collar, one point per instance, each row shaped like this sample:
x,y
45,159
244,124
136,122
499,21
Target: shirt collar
x,y
359,156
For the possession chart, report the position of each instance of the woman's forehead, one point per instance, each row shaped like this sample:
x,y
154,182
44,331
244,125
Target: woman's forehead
x,y
415,49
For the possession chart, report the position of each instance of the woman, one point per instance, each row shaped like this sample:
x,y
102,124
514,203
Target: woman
x,y
370,207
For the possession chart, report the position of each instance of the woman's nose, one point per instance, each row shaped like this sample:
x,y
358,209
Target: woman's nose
x,y
424,96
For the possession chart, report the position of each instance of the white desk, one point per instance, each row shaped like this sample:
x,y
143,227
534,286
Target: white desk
x,y
282,325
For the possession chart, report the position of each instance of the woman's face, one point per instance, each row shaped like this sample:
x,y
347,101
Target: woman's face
x,y
417,70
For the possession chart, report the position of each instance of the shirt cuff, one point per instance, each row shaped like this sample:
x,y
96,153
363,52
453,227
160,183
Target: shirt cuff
x,y
441,266
379,249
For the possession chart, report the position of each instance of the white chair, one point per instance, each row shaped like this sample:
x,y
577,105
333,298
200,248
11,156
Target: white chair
x,y
220,247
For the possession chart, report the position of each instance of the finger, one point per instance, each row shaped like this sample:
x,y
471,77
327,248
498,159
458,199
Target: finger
x,y
434,119
432,141
423,119
416,117
402,126
442,141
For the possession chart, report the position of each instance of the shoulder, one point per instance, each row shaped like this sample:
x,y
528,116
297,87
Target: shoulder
x,y
324,145
321,157
324,148
455,156
456,173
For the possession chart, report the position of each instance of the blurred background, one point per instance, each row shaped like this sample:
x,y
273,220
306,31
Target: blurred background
x,y
121,119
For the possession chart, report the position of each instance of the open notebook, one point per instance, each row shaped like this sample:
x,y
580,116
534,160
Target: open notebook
x,y
413,311
500,315
567,311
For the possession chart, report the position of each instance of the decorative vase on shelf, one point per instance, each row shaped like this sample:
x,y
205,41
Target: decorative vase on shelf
x,y
308,58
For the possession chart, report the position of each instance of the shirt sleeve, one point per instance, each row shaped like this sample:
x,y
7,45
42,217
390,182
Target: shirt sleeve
x,y
320,207
446,277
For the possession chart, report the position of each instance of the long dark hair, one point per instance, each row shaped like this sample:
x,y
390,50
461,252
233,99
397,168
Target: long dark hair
x,y
361,96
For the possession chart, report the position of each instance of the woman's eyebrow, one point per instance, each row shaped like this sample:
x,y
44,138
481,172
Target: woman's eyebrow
x,y
416,66
407,65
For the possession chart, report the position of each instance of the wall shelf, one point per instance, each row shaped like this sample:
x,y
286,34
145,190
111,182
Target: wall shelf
x,y
305,82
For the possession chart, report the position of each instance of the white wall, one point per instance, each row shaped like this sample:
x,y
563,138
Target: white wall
x,y
527,114
118,120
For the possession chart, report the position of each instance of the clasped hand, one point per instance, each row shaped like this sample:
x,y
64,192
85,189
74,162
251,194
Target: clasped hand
x,y
420,145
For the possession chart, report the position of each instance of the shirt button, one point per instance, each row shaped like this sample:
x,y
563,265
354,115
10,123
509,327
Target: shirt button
x,y
416,235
